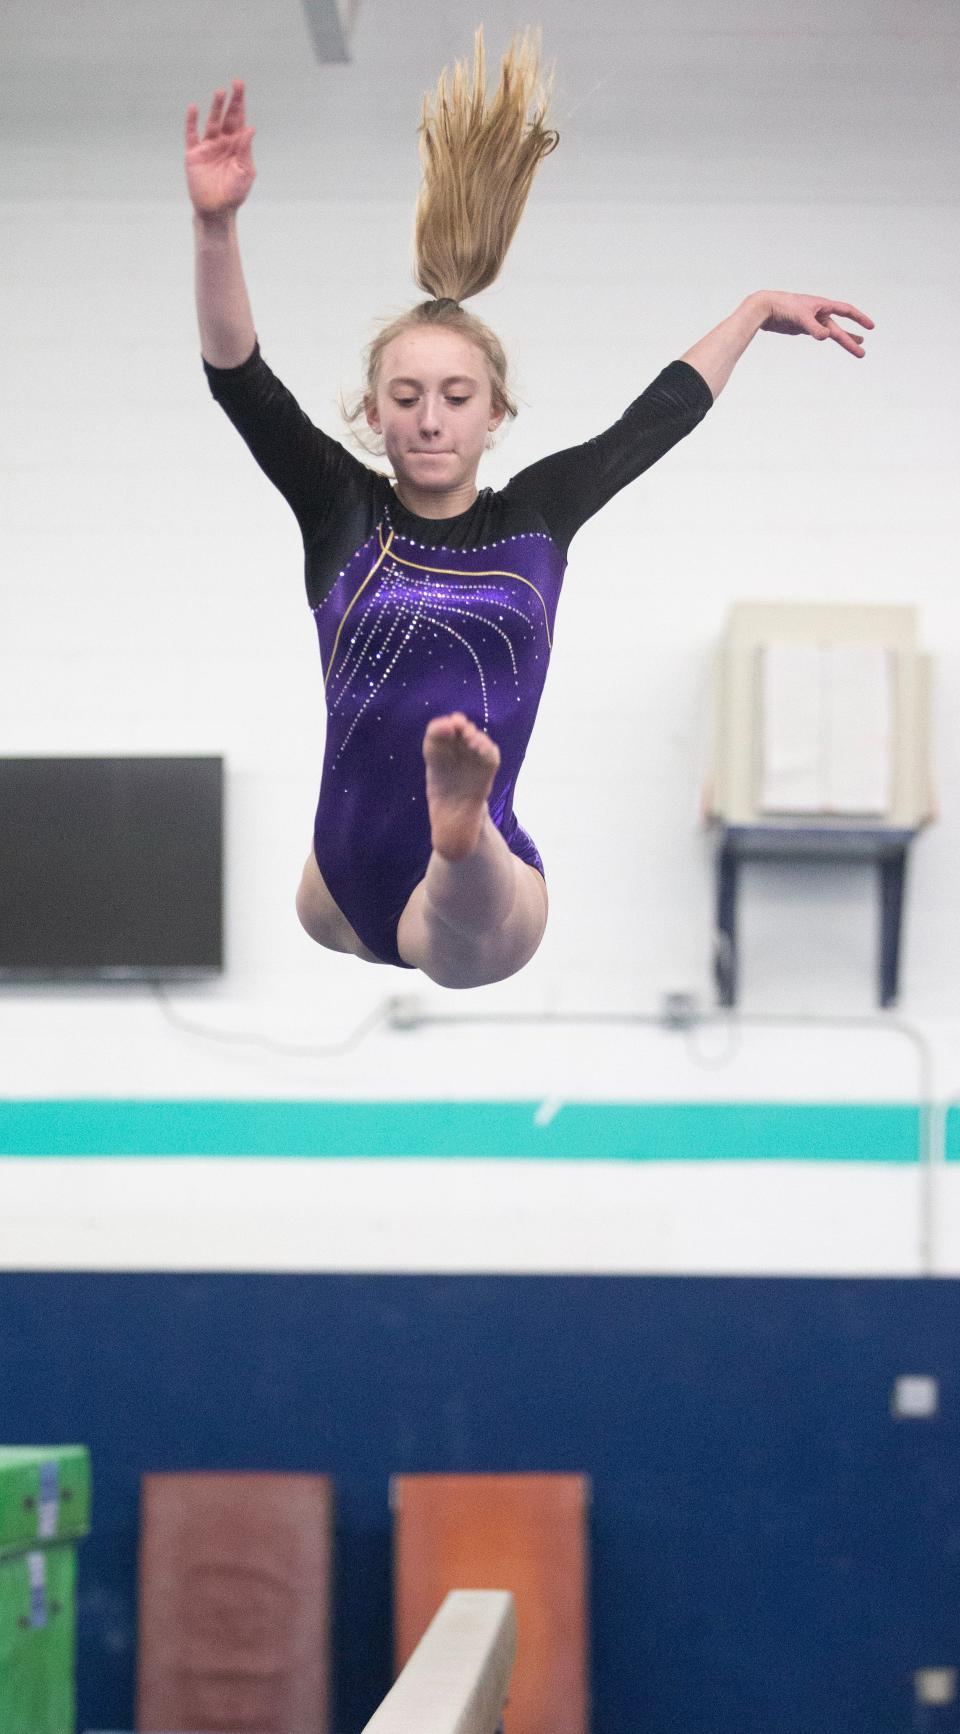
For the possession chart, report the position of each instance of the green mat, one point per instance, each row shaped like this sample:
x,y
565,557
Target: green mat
x,y
44,1509
44,1495
38,1641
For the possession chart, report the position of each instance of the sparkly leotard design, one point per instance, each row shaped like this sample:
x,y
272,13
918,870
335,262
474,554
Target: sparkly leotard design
x,y
417,617
406,635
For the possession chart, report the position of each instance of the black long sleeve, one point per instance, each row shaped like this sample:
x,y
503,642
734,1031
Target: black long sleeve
x,y
311,470
572,485
338,500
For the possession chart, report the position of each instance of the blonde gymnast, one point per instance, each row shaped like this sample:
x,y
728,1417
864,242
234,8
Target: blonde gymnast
x,y
435,600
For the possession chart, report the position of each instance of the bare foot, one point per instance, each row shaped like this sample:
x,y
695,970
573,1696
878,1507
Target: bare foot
x,y
461,765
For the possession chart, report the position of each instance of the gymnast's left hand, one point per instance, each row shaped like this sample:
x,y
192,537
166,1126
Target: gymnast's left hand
x,y
812,316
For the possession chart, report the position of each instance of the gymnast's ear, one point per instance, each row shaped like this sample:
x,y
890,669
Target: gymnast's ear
x,y
372,413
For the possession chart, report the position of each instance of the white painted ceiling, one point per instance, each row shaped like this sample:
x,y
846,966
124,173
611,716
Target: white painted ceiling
x,y
846,100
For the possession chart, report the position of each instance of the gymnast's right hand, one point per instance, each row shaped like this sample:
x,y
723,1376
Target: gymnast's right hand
x,y
219,165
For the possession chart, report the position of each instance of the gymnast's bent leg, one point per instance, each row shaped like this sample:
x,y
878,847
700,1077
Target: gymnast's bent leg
x,y
479,913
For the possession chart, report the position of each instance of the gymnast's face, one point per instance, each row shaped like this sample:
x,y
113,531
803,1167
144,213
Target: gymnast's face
x,y
434,410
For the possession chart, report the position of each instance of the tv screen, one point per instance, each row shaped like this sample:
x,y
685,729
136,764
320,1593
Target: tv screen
x,y
111,868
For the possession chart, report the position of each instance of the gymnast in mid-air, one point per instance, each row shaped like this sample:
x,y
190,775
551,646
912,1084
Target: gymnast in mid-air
x,y
435,601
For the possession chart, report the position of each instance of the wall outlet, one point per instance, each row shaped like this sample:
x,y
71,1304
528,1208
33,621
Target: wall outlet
x,y
680,1010
935,1685
404,1011
915,1397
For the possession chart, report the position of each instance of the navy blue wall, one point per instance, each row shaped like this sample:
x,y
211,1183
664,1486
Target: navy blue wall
x,y
770,1550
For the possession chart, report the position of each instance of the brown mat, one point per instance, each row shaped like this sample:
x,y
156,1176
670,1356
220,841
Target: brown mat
x,y
523,1533
234,1603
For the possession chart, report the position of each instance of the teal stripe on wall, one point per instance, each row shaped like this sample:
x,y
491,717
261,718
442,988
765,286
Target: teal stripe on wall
x,y
578,1131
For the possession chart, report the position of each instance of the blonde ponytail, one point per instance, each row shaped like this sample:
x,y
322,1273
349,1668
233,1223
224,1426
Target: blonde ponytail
x,y
478,159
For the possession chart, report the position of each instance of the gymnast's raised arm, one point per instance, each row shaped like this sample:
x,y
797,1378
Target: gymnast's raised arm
x,y
716,355
220,173
310,469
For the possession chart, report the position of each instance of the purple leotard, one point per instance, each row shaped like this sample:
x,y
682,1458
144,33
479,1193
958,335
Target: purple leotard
x,y
417,617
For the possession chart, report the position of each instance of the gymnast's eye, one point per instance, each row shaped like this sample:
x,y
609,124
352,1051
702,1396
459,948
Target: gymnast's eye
x,y
458,400
405,401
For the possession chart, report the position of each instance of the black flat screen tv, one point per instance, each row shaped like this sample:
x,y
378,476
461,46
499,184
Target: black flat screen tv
x,y
111,869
